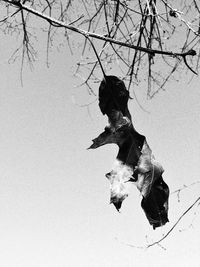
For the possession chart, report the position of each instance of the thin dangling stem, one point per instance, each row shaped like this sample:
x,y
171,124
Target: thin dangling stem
x,y
95,51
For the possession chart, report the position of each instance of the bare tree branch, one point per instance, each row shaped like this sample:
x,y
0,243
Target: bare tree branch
x,y
142,35
179,219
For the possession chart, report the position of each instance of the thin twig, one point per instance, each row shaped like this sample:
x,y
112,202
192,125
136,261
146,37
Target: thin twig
x,y
179,219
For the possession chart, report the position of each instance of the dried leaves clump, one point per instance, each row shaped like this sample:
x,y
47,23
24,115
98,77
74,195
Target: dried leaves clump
x,y
135,162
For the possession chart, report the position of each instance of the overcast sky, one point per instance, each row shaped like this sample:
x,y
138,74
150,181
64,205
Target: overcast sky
x,y
54,197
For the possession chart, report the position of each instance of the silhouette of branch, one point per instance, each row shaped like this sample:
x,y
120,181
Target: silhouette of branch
x,y
179,219
159,241
178,191
140,39
56,23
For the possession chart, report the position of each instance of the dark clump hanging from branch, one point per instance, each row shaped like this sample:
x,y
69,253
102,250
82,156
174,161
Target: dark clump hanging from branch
x,y
135,162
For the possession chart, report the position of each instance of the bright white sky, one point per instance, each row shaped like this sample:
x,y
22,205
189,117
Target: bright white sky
x,y
54,197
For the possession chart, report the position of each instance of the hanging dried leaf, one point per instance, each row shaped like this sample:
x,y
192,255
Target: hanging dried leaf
x,y
135,162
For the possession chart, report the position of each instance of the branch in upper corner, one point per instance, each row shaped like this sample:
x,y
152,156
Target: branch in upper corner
x,y
57,23
128,36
